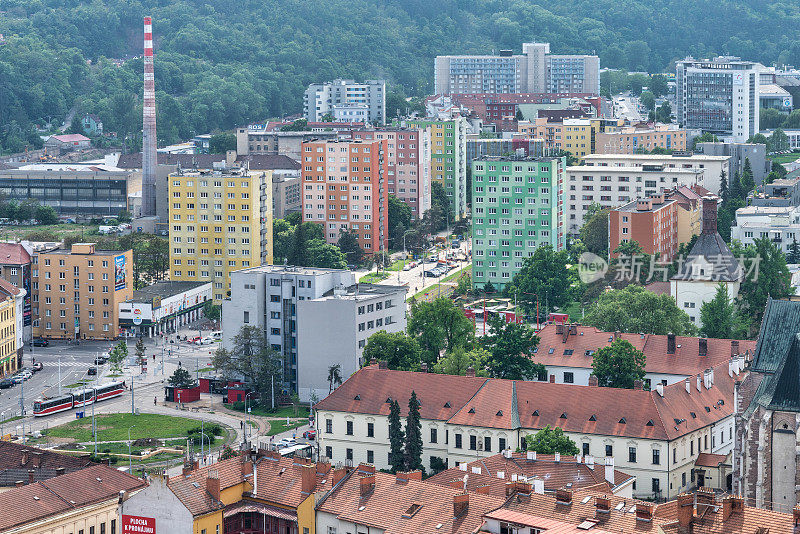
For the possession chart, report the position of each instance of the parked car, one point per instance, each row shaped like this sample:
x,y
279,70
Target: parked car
x,y
92,371
37,367
6,383
18,379
310,434
100,360
207,340
40,342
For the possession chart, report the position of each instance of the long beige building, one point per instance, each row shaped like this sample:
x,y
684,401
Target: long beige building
x,y
77,292
630,139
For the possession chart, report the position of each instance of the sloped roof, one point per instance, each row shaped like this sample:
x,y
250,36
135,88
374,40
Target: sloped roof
x,y
16,460
8,288
386,506
70,138
190,489
263,162
716,252
554,474
13,254
280,480
64,493
707,459
781,320
781,390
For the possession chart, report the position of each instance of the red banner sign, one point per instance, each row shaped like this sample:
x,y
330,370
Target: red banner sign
x,y
134,524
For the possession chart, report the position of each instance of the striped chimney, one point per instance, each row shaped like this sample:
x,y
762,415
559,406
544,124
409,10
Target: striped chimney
x,y
149,156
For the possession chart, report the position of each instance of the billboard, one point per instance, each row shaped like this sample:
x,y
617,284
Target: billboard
x,y
119,273
134,524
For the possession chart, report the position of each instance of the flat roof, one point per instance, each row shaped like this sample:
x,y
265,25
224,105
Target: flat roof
x,y
67,252
358,291
164,290
290,269
651,157
631,168
631,206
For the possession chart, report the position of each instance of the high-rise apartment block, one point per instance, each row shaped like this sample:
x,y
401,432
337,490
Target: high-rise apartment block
x,y
220,221
344,189
79,291
650,222
448,159
533,71
346,101
719,95
517,207
409,157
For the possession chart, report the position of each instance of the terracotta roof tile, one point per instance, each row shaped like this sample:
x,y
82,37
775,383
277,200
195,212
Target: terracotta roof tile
x,y
389,505
16,460
280,481
13,254
190,489
40,500
707,459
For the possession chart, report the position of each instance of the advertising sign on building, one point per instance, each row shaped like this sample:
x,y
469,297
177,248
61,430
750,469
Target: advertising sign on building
x,y
135,524
119,273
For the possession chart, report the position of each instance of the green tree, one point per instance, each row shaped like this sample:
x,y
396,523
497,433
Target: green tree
x,y
457,361
707,137
140,354
778,141
322,254
45,215
747,181
793,254
648,100
594,232
439,326
771,278
634,309
396,438
181,379
511,345
724,192
348,244
401,351
518,115
297,126
550,441
254,360
212,311
544,275
221,143
398,213
440,206
282,240
334,377
117,355
658,85
618,365
412,453
720,318
664,113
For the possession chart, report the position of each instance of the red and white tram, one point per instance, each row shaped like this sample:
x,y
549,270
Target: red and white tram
x,y
77,399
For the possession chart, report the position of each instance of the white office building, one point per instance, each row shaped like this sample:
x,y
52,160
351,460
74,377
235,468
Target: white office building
x,y
719,95
781,224
346,96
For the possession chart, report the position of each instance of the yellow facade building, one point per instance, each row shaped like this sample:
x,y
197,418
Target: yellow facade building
x,y
576,136
8,335
220,221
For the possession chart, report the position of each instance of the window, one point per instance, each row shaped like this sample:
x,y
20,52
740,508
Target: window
x,y
349,454
102,528
434,437
349,430
458,441
487,443
473,443
328,452
246,318
609,450
683,479
370,430
501,444
370,457
329,426
569,378
113,526
656,457
632,455
656,485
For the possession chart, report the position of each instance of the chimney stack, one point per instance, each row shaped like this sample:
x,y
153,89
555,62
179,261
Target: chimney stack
x,y
60,471
308,478
685,509
383,364
644,511
367,484
707,379
795,516
705,500
609,473
470,372
559,329
593,381
660,389
734,504
563,496
423,367
538,486
149,152
24,457
703,346
602,504
734,347
403,477
688,384
699,381
31,476
338,475
670,343
460,504
212,484
373,361
37,459
709,216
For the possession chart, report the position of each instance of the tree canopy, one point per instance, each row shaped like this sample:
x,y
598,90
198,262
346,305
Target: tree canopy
x,y
401,351
634,309
511,345
544,274
439,326
618,365
550,441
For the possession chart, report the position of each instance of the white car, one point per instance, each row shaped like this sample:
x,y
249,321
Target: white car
x,y
207,340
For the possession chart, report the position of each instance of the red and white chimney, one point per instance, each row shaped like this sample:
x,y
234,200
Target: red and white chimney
x,y
149,161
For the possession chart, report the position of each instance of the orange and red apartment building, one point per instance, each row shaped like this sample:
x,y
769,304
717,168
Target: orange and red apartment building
x,y
344,189
651,222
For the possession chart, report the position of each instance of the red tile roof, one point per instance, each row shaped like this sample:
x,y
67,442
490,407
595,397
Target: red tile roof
x,y
280,481
71,138
62,494
389,506
489,403
686,360
13,254
191,490
554,474
16,460
707,459
550,526
8,288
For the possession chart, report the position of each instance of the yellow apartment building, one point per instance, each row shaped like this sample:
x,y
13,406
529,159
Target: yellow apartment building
x,y
576,136
78,292
220,221
8,335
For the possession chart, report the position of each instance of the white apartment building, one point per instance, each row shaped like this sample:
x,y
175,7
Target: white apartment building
x,y
613,186
719,95
348,315
533,71
301,309
780,224
345,98
656,436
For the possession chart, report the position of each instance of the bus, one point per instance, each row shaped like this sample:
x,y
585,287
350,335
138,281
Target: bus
x,y
303,450
77,399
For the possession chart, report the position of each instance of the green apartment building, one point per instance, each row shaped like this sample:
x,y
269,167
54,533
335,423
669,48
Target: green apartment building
x,y
517,205
448,159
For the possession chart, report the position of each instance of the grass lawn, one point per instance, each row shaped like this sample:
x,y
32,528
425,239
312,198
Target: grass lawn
x,y
396,266
373,278
457,274
573,309
784,158
278,426
60,230
114,427
10,419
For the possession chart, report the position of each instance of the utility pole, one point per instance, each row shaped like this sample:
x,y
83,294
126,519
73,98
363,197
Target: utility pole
x,y
133,396
22,407
59,375
94,424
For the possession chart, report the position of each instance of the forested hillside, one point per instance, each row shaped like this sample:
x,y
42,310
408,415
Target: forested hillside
x,y
223,63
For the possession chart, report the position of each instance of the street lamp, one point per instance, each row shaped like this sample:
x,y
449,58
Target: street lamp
x,y
2,420
129,449
248,414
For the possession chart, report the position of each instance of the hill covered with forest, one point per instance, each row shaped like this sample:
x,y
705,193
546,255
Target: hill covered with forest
x,y
223,63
